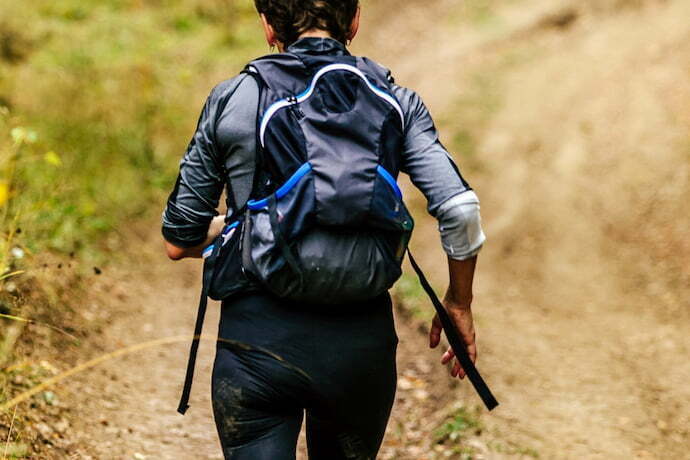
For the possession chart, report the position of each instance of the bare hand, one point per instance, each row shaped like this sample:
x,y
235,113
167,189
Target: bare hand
x,y
461,316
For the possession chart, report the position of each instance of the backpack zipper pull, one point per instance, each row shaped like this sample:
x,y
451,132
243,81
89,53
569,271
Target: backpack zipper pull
x,y
294,106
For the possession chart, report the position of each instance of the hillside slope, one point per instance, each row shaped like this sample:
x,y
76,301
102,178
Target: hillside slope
x,y
572,122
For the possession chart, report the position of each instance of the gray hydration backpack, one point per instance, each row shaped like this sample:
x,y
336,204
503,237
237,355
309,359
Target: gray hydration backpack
x,y
329,225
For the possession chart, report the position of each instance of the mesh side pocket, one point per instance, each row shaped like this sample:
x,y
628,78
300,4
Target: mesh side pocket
x,y
228,277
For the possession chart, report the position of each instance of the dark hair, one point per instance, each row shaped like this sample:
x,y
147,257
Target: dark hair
x,y
291,18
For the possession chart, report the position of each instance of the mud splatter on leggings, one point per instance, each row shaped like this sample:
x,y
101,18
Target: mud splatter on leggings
x,y
277,362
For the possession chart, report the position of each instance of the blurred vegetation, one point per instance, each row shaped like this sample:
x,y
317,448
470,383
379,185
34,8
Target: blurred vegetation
x,y
459,425
461,421
464,424
411,298
98,100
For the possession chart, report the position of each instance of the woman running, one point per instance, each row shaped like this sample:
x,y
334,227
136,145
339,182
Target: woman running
x,y
278,359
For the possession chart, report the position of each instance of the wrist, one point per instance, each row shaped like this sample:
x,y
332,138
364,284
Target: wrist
x,y
456,302
216,227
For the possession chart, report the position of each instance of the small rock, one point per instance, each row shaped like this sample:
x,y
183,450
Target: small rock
x,y
404,384
61,426
421,394
44,430
49,397
139,456
477,445
49,367
424,367
109,404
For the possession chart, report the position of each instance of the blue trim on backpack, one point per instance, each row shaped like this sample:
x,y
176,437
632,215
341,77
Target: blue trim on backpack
x,y
306,91
284,189
209,249
390,179
304,95
229,228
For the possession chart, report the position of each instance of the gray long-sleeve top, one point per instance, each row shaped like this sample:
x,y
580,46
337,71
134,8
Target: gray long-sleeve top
x,y
221,154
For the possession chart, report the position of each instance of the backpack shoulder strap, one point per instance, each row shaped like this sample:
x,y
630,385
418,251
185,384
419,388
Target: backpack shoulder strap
x,y
381,72
259,186
198,328
281,74
208,263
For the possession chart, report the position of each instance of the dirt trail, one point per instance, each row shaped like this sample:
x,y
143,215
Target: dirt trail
x,y
127,406
582,296
582,312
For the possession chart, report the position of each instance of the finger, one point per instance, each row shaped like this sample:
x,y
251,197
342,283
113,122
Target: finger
x,y
447,356
458,371
435,332
472,352
454,370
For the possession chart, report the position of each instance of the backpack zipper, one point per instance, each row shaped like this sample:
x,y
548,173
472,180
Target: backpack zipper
x,y
294,107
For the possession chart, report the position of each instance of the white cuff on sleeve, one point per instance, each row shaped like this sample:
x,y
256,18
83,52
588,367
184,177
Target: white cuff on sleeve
x,y
460,224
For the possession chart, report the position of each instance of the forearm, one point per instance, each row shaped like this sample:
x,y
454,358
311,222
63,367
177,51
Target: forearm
x,y
458,303
177,253
461,273
462,236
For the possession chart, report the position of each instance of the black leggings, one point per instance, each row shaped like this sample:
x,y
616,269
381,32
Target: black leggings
x,y
275,361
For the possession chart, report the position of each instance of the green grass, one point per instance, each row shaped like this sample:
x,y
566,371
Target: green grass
x,y
410,295
98,100
460,424
110,91
463,424
508,448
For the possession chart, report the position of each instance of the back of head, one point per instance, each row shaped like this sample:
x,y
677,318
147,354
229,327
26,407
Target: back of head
x,y
292,18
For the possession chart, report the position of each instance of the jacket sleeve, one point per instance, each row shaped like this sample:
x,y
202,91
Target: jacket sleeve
x,y
432,170
196,195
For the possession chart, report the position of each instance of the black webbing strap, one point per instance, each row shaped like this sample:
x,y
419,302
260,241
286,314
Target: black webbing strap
x,y
203,303
455,342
